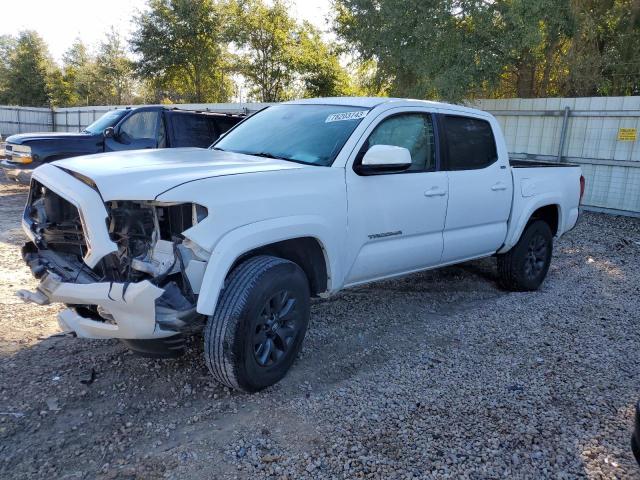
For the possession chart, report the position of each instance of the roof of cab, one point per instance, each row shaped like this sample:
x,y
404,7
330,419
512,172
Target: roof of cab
x,y
372,102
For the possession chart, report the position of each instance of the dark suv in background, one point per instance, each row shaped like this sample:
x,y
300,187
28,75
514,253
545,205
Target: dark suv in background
x,y
120,129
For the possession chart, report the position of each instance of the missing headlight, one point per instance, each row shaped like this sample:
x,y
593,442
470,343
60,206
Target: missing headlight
x,y
147,234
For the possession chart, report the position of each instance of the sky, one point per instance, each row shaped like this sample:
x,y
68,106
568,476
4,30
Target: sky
x,y
60,22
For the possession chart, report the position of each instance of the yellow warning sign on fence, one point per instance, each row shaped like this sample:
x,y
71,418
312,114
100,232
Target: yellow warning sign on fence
x,y
627,134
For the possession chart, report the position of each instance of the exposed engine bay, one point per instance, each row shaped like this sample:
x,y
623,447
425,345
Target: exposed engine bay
x,y
150,247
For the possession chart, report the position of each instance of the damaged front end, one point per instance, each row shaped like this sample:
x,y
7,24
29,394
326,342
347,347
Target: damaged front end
x,y
142,288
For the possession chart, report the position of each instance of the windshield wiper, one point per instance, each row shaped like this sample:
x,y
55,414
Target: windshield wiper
x,y
218,148
269,155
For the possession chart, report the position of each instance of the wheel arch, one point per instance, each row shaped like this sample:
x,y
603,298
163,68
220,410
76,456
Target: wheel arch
x,y
546,209
549,214
303,241
307,252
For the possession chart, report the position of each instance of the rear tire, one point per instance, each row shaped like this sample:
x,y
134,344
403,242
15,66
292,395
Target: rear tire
x,y
525,266
259,324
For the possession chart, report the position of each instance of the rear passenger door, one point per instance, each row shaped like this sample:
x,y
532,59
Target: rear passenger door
x,y
192,130
480,188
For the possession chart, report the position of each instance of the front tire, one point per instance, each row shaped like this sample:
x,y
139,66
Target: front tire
x,y
259,324
525,266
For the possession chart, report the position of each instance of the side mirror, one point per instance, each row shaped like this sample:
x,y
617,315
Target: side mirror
x,y
109,132
385,158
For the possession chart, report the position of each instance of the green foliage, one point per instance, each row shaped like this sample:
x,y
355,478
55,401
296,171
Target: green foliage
x,y
7,45
280,58
115,70
266,37
181,47
80,72
319,67
603,57
189,51
27,69
457,49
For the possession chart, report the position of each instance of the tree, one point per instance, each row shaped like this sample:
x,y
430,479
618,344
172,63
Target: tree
x,y
115,71
281,58
29,65
7,45
319,67
533,36
422,48
457,49
81,73
61,92
602,58
181,44
265,35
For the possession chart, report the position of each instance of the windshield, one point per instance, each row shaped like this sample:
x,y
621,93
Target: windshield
x,y
311,134
109,119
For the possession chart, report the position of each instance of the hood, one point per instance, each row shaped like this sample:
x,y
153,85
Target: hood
x,y
21,138
145,174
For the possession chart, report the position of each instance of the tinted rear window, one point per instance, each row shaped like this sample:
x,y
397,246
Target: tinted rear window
x,y
191,130
225,123
470,143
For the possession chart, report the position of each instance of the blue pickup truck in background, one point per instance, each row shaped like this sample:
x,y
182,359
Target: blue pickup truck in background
x,y
120,129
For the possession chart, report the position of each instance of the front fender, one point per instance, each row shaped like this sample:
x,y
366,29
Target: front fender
x,y
241,240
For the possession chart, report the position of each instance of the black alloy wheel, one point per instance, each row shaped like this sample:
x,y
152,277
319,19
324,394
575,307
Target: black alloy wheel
x,y
536,258
256,332
276,328
525,266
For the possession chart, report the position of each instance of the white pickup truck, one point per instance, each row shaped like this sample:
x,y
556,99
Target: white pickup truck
x,y
302,199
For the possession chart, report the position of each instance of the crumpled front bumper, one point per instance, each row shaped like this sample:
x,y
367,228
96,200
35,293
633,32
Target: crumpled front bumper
x,y
134,311
131,307
127,310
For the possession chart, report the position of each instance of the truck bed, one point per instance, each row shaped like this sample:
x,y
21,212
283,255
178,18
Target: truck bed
x,y
536,164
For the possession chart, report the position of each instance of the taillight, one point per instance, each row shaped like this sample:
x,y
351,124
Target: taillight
x,y
582,185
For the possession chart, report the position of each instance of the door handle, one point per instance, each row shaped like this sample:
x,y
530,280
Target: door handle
x,y
499,186
435,192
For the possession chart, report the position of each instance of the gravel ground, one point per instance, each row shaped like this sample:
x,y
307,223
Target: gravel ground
x,y
439,375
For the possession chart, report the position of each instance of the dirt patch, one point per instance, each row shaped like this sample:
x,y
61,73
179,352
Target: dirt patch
x,y
439,374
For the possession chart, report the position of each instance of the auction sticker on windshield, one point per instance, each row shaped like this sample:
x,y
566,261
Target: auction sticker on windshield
x,y
340,117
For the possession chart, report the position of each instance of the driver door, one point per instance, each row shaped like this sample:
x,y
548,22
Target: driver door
x,y
396,220
137,131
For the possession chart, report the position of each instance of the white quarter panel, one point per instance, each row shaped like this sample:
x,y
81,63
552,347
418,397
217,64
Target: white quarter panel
x,y
539,187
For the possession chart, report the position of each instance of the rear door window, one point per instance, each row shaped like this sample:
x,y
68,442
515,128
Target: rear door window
x,y
225,123
470,143
192,130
